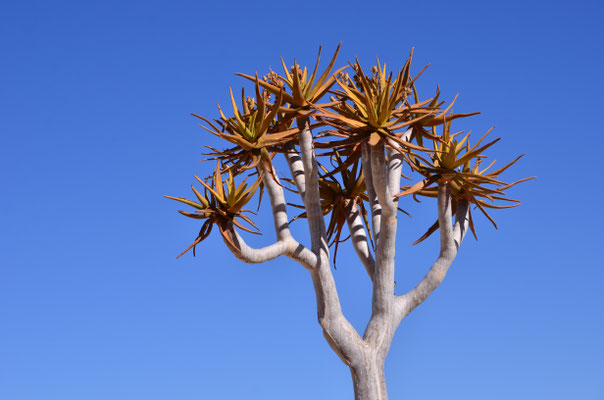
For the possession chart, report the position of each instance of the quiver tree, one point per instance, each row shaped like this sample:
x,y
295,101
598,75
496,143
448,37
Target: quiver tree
x,y
347,156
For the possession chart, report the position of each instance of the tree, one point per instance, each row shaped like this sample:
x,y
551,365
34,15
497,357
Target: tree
x,y
373,129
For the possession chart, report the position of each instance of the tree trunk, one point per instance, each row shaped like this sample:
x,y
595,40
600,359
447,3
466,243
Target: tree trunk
x,y
368,380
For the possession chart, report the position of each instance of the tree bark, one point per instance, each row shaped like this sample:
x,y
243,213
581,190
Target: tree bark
x,y
368,378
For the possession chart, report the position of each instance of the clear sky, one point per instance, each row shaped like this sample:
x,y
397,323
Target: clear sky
x,y
94,120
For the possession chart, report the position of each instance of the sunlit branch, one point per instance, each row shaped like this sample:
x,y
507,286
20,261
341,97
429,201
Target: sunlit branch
x,y
376,209
278,205
449,242
312,200
360,241
377,332
395,164
462,220
296,168
250,255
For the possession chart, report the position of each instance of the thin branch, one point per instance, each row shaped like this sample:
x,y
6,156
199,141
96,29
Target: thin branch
x,y
445,217
379,174
395,164
449,243
378,329
293,249
462,220
250,255
301,254
288,247
359,238
376,209
312,200
278,205
296,167
339,333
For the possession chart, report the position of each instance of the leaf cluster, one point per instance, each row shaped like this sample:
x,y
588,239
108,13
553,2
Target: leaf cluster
x,y
456,162
256,130
304,92
221,204
364,109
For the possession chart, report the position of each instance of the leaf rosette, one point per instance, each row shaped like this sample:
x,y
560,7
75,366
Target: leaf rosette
x,y
221,204
379,108
304,90
456,162
257,130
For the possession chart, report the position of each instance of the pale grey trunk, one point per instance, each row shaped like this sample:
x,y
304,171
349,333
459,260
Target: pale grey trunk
x,y
368,379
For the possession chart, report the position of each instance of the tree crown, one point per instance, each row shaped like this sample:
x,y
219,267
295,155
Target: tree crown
x,y
377,109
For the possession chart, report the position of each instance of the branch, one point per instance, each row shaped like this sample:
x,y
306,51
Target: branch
x,y
380,174
462,220
278,205
296,167
378,332
449,243
395,164
312,200
376,209
286,244
358,235
301,254
288,247
339,333
250,255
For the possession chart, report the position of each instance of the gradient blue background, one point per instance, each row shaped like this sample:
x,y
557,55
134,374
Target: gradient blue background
x,y
94,124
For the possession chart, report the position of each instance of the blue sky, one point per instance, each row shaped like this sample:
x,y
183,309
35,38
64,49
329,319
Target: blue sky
x,y
94,116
